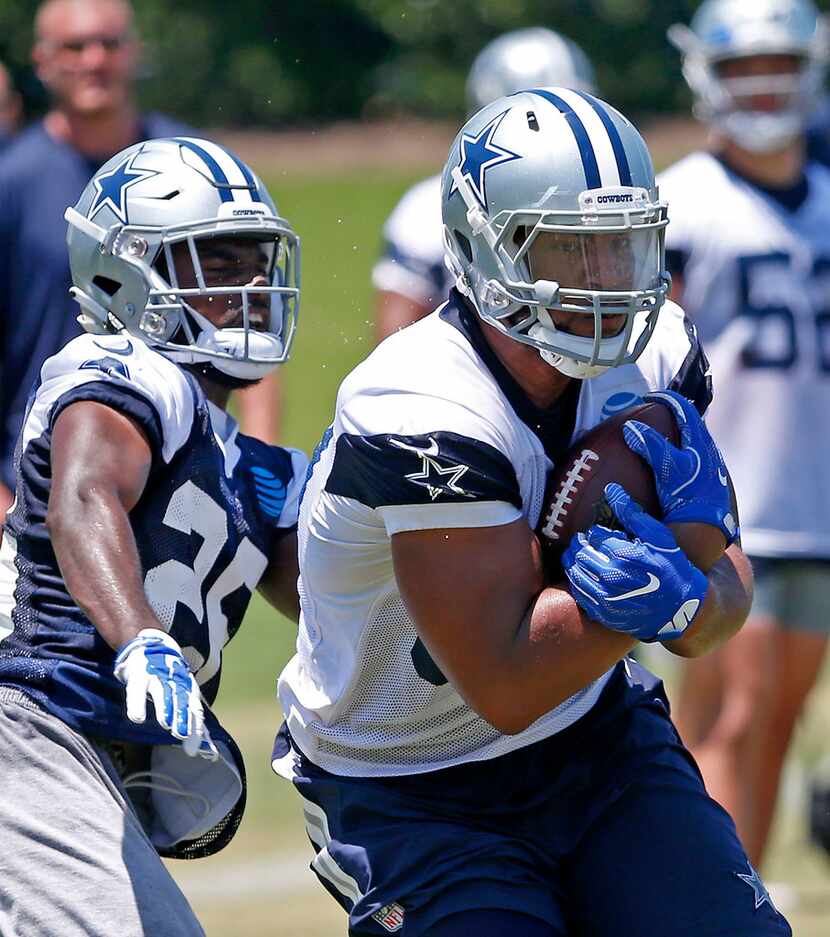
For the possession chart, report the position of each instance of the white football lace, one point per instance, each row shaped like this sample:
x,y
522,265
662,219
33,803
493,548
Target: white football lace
x,y
563,496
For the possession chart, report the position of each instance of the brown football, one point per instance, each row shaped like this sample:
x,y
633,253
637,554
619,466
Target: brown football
x,y
575,494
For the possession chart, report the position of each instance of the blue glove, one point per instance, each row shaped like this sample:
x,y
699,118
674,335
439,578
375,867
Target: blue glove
x,y
645,585
692,482
152,664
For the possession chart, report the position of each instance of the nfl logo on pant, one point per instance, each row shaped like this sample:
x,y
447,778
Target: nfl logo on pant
x,y
390,917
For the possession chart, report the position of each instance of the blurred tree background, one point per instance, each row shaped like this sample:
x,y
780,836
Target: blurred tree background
x,y
273,63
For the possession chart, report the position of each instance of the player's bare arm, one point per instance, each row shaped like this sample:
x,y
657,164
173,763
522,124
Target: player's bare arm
x,y
100,465
6,499
512,646
727,604
279,584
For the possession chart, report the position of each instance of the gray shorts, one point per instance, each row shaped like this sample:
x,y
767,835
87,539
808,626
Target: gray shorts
x,y
793,592
75,860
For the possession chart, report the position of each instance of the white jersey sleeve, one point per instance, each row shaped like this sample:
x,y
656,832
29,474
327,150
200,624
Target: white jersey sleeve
x,y
421,461
121,373
676,360
412,262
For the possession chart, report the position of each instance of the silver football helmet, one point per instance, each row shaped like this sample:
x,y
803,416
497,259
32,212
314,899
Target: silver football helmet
x,y
527,58
724,30
123,236
551,216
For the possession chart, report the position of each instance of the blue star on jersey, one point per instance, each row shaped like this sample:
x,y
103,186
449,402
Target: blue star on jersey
x,y
753,879
479,154
112,187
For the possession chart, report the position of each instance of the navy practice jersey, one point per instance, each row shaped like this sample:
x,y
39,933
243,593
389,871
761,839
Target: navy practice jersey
x,y
431,431
214,505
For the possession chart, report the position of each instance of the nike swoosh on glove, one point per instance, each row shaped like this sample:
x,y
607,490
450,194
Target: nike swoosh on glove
x,y
692,481
152,664
638,581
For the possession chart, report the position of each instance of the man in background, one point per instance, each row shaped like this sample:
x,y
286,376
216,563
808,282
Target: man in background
x,y
10,108
749,250
410,277
86,53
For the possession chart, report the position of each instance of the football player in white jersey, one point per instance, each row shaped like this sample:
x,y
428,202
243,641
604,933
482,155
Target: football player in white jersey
x,y
142,523
749,250
474,751
411,277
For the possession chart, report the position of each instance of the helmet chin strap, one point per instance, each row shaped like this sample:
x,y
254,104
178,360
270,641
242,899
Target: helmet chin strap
x,y
541,330
229,350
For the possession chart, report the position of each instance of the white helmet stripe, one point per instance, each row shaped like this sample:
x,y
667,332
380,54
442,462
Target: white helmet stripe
x,y
598,135
224,169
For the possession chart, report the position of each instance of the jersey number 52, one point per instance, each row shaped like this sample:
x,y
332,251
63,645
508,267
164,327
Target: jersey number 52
x,y
789,311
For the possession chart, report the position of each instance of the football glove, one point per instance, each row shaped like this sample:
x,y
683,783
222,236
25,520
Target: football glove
x,y
643,585
692,482
152,664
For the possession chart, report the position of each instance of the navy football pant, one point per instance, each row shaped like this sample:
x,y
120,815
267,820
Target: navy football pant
x,y
603,830
491,923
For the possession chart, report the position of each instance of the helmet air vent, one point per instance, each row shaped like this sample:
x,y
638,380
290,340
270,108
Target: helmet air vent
x,y
110,287
464,244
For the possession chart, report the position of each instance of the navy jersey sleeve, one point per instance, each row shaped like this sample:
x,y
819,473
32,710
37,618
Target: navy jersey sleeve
x,y
121,398
693,379
439,479
276,476
123,374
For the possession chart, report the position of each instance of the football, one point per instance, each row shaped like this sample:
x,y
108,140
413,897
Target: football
x,y
575,494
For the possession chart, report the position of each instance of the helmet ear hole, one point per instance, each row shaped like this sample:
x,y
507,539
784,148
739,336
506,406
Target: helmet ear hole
x,y
108,286
464,244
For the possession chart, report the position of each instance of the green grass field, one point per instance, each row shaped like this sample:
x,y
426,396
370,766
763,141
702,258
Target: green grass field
x,y
260,884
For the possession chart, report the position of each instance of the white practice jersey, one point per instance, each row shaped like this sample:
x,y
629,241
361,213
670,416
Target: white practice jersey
x,y
756,283
412,262
430,432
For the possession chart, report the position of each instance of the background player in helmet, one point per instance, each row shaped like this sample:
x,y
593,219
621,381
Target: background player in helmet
x,y
749,249
143,521
473,750
411,277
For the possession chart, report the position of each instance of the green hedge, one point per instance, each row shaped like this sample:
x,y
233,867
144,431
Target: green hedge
x,y
277,62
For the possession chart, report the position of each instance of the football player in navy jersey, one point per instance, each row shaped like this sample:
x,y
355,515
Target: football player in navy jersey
x,y
749,251
474,751
142,523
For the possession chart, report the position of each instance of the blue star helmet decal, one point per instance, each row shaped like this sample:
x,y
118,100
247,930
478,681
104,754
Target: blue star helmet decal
x,y
479,154
112,187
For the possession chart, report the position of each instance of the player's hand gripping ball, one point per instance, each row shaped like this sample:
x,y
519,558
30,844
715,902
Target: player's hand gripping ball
x,y
637,581
575,496
692,480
